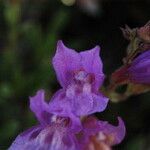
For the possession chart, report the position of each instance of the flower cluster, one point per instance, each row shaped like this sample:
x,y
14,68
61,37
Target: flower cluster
x,y
63,122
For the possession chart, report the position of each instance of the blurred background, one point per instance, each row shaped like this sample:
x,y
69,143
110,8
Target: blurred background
x,y
29,30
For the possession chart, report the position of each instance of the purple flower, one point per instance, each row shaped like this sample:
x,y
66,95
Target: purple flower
x,y
80,75
60,127
137,72
53,132
100,135
65,133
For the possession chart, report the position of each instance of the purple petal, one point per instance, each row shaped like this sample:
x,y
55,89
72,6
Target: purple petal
x,y
53,137
99,103
139,71
24,140
92,63
79,104
40,107
145,55
92,126
65,62
118,132
58,138
140,78
61,106
85,104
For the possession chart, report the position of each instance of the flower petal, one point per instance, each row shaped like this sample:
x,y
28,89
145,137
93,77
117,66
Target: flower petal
x,y
99,102
118,132
92,126
92,63
139,71
57,138
24,140
40,107
141,78
65,61
61,106
145,55
79,105
52,137
88,103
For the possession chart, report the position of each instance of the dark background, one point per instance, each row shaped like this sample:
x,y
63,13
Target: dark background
x,y
29,31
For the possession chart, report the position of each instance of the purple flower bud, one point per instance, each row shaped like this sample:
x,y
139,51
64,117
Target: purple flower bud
x,y
137,72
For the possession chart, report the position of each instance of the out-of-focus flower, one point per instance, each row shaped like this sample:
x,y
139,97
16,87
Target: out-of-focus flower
x,y
129,33
68,2
100,135
139,41
144,32
137,72
90,6
80,75
53,132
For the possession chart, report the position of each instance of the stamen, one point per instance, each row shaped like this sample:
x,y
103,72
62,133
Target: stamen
x,y
87,88
70,92
81,75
